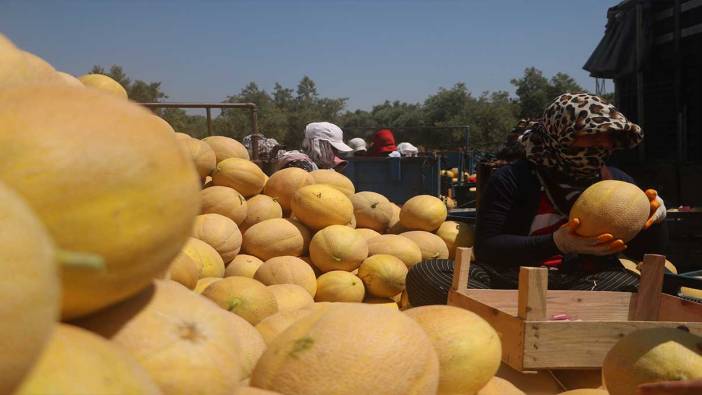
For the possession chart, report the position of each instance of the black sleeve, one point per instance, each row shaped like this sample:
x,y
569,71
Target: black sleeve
x,y
492,244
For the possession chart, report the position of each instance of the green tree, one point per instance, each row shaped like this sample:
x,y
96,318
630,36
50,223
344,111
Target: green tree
x,y
536,92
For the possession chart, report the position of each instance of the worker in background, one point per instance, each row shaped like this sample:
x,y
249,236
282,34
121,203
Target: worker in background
x,y
523,215
383,143
324,144
359,147
407,150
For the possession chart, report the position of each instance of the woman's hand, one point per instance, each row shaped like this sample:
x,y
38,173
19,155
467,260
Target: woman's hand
x,y
687,387
569,242
658,210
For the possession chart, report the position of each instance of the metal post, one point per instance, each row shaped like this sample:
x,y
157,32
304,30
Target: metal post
x,y
254,134
209,121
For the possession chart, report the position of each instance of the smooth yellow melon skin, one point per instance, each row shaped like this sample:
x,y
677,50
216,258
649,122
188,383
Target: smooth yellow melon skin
x,y
398,246
260,208
499,386
113,183
338,247
240,174
318,206
186,343
291,296
204,283
335,179
395,226
243,265
30,288
226,147
78,362
423,212
275,324
202,155
287,270
104,84
254,391
352,348
610,206
469,349
220,232
652,355
251,345
276,237
339,286
367,233
20,68
225,201
372,210
208,260
283,184
456,234
383,275
244,297
431,245
70,79
184,270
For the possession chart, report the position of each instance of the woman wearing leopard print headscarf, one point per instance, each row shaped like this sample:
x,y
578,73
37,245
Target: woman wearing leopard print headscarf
x,y
523,217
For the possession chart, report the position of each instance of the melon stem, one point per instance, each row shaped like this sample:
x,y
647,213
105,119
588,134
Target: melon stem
x,y
76,259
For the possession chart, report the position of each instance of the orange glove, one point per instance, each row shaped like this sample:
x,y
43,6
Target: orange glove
x,y
569,242
687,387
658,211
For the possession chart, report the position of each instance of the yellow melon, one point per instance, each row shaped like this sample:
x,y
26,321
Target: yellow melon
x,y
283,184
691,292
395,227
431,245
367,234
19,67
30,288
335,179
276,237
539,382
291,296
385,302
334,342
251,345
103,161
70,80
500,386
338,247
383,275
243,265
456,234
205,282
184,270
103,83
274,325
319,206
469,349
79,362
398,246
287,270
208,260
240,174
352,223
244,297
372,210
423,212
186,343
219,232
260,208
202,155
611,206
652,355
254,391
226,147
225,201
339,286
586,391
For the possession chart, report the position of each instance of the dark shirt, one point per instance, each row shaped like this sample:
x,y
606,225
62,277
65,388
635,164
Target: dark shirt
x,y
507,209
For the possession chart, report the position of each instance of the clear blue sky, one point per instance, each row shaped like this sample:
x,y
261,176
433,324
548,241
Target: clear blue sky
x,y
367,51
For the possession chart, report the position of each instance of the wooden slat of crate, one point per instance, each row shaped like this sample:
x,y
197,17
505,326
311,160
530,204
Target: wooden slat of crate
x,y
580,344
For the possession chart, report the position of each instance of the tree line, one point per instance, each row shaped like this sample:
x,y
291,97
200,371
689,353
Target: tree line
x,y
284,112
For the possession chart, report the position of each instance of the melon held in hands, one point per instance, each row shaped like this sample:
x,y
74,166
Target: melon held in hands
x,y
610,206
108,180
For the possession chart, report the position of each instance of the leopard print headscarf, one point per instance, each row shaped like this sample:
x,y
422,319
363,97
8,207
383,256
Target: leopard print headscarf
x,y
547,143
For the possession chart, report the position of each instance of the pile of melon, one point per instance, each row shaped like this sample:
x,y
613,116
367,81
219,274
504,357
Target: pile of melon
x,y
144,261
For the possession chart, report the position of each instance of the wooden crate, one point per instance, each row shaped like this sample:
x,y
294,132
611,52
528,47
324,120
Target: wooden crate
x,y
532,339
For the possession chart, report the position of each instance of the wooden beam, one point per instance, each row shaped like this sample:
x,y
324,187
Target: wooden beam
x,y
461,269
533,283
648,298
676,309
